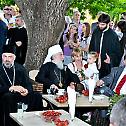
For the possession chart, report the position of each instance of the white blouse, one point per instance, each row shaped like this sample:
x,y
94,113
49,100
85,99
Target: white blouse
x,y
73,68
92,69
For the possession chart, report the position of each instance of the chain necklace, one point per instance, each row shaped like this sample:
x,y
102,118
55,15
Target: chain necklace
x,y
59,79
12,83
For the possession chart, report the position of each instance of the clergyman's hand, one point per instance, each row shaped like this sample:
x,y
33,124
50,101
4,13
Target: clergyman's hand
x,y
19,89
16,88
107,60
24,92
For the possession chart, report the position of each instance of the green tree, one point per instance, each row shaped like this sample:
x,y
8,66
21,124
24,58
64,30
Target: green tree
x,y
112,7
6,2
45,22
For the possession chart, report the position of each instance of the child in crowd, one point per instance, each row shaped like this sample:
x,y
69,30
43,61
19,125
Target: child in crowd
x,y
84,69
90,67
91,70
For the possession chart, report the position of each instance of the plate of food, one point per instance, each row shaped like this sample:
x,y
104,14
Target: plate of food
x,y
62,98
60,122
50,115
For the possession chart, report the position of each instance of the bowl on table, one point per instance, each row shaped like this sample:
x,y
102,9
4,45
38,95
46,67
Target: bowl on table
x,y
50,115
62,98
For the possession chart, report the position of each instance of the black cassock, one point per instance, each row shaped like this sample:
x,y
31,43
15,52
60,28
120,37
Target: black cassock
x,y
110,46
9,100
50,74
18,34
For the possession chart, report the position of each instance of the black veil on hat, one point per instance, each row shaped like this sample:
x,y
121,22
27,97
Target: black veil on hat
x,y
9,49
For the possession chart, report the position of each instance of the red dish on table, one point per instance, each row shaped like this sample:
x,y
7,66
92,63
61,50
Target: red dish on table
x,y
50,115
62,98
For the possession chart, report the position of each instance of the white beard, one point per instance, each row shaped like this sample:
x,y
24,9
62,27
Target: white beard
x,y
60,65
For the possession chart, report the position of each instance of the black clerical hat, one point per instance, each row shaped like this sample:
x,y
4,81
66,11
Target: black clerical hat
x,y
9,49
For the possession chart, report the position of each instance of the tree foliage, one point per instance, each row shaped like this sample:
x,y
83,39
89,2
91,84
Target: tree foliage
x,y
6,2
112,7
44,20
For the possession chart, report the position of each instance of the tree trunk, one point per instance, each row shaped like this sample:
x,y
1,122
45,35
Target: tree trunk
x,y
44,21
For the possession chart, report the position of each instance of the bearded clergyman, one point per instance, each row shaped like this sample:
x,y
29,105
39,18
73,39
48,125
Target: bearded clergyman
x,y
15,87
52,72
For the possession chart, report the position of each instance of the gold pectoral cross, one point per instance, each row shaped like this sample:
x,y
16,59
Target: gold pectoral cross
x,y
60,84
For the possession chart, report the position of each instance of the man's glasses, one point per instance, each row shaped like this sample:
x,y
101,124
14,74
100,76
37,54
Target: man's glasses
x,y
8,9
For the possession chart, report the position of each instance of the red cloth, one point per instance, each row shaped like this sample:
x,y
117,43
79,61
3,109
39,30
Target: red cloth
x,y
121,83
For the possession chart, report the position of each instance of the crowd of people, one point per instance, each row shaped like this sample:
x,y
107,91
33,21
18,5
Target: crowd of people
x,y
83,53
104,37
13,32
15,84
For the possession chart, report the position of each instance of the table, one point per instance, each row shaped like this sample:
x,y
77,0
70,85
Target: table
x,y
82,106
82,101
33,119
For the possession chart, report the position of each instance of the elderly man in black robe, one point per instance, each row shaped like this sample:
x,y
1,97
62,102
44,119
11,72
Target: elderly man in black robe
x,y
53,74
15,87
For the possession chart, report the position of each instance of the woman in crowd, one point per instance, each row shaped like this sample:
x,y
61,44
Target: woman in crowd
x,y
76,21
85,39
70,40
77,65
